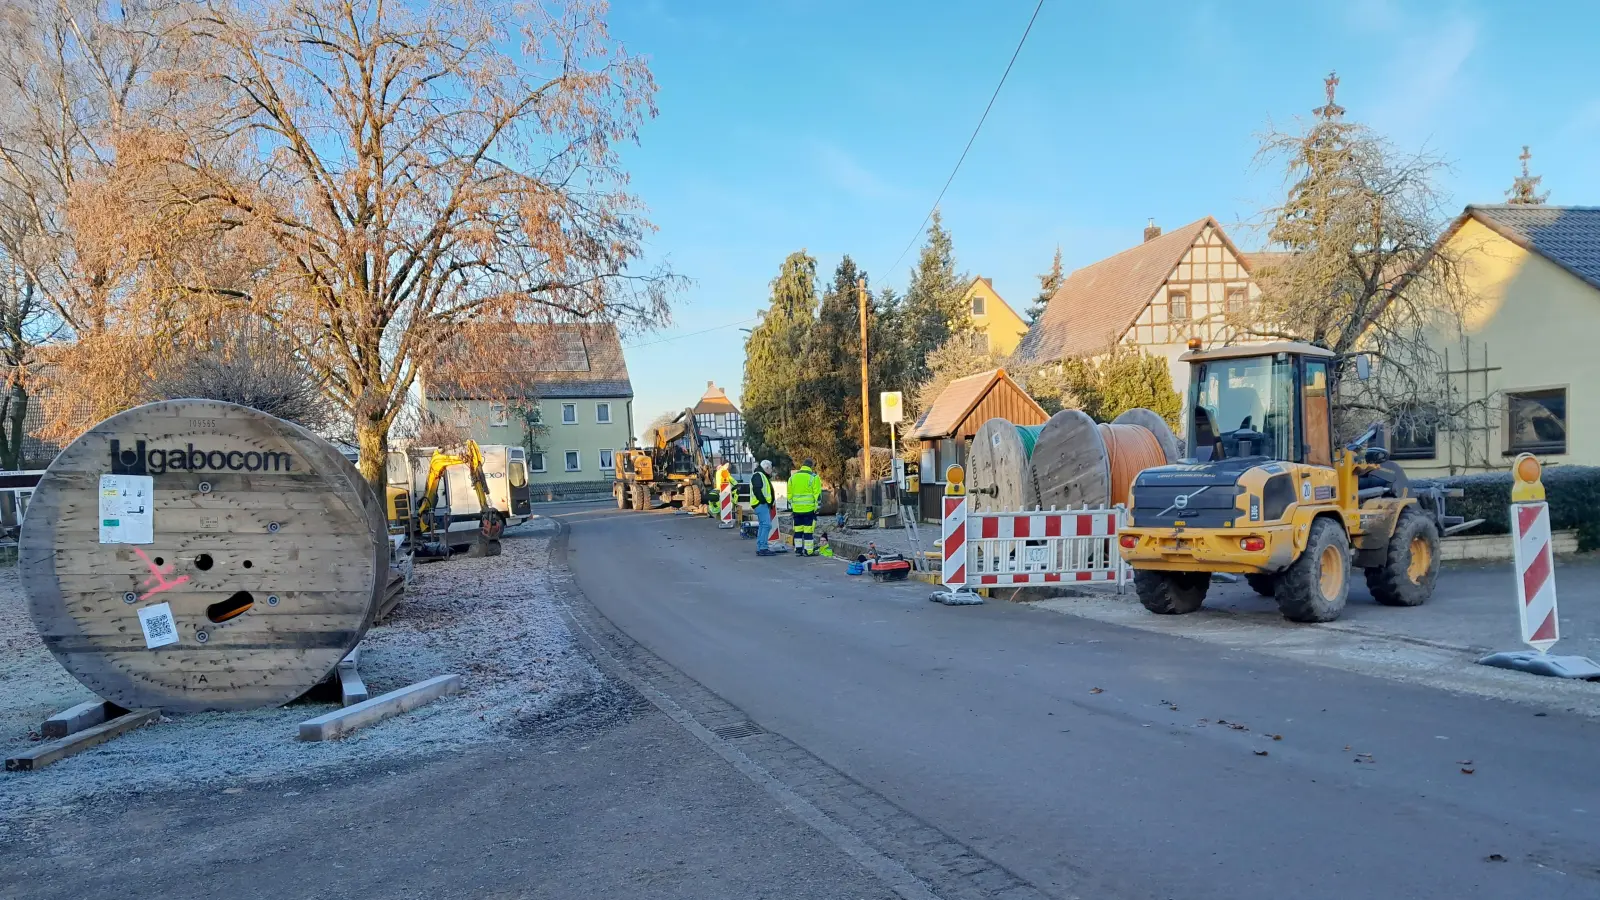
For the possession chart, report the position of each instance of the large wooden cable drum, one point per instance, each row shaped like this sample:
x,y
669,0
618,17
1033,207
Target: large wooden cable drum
x,y
1130,449
265,544
1152,422
1070,463
999,475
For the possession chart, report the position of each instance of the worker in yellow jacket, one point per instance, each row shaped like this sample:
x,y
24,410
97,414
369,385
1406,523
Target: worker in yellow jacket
x,y
805,493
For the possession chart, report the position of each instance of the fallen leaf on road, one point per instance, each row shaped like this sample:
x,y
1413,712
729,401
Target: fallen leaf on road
x,y
1467,771
1494,857
1237,727
1347,748
1096,691
1260,752
1277,737
1463,762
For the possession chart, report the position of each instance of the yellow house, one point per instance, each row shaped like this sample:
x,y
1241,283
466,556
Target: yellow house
x,y
994,318
1527,365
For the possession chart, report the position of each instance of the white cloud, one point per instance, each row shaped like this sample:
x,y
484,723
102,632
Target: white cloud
x,y
846,172
1429,74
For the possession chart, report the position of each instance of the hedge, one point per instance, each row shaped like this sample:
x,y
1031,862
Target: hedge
x,y
1573,492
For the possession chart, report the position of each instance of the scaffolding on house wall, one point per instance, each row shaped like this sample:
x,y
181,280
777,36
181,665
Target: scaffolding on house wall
x,y
1479,418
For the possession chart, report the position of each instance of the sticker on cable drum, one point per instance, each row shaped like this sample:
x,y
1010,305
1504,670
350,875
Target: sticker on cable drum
x,y
126,515
159,627
994,439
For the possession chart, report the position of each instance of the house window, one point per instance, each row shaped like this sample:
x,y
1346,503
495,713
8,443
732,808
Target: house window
x,y
574,464
602,413
607,460
1414,433
462,416
497,415
1178,306
977,304
1238,300
1536,421
536,461
569,413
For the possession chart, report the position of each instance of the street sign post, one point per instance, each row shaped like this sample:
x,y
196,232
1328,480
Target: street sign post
x,y
890,409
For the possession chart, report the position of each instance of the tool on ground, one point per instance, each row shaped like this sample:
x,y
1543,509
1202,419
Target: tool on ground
x,y
1266,494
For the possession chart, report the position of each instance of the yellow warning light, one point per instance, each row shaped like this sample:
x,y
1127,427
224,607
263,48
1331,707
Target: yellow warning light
x,y
955,479
1526,486
1194,343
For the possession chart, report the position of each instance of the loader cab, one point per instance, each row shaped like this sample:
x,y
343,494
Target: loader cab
x,y
1266,401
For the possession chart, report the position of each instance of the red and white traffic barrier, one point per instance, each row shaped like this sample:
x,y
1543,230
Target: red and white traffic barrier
x,y
953,542
1010,548
1032,547
1536,582
725,508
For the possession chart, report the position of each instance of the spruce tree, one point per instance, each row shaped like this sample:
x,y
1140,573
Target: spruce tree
x,y
835,364
1049,282
774,364
935,305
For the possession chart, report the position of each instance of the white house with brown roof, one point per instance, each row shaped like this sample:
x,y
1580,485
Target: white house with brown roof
x,y
721,423
1175,286
572,380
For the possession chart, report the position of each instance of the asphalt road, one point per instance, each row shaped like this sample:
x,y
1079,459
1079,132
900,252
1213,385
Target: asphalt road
x,y
1096,761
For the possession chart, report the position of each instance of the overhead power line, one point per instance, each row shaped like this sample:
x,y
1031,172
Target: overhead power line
x,y
947,182
979,127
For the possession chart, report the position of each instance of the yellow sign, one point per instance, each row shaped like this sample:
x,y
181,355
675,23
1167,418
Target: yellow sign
x,y
889,407
1526,486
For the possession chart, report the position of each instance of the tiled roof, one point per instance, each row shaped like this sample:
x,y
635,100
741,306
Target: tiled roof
x,y
1568,236
554,362
1098,303
954,403
1263,259
714,400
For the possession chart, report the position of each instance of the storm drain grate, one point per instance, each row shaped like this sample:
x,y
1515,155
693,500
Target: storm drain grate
x,y
737,730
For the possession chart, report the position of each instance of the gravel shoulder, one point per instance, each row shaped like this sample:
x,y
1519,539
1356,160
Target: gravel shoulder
x,y
493,621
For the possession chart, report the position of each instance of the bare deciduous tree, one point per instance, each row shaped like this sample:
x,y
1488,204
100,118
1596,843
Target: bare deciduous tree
x,y
1363,272
413,177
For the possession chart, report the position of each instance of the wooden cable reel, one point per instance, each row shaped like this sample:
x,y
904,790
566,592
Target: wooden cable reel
x,y
999,476
1080,463
265,543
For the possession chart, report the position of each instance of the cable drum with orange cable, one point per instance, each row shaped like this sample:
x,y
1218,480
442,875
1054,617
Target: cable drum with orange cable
x,y
1078,462
1130,449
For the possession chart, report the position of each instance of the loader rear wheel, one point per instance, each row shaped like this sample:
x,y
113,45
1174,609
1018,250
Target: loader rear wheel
x,y
1265,585
1411,565
1315,587
620,492
1171,593
640,496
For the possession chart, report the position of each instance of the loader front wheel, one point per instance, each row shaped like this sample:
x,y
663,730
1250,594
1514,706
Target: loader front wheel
x,y
1171,593
1411,562
1315,587
620,492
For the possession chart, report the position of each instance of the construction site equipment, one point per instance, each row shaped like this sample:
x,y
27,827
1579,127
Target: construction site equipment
x,y
1069,462
194,554
433,531
674,470
1265,494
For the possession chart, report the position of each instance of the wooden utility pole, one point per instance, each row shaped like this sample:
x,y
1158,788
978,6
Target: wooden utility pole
x,y
866,406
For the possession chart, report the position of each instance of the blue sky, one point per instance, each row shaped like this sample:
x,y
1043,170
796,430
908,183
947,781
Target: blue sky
x,y
831,126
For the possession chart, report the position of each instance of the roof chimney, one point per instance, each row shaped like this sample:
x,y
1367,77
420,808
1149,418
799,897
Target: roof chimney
x,y
1152,231
711,385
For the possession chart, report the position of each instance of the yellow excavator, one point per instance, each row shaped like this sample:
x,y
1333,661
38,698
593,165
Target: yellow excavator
x,y
676,469
432,537
1266,494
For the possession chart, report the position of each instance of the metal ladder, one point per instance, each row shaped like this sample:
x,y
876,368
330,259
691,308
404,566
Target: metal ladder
x,y
908,524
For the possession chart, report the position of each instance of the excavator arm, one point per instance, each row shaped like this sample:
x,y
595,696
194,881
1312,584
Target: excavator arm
x,y
472,458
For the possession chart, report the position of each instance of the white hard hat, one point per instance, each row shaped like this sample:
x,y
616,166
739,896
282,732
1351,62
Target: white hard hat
x,y
766,465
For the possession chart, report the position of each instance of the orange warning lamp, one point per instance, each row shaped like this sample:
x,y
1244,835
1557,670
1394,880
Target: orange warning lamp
x,y
1526,486
955,481
1194,343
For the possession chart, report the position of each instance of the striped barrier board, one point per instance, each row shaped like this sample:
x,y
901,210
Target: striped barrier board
x,y
994,549
725,508
1536,583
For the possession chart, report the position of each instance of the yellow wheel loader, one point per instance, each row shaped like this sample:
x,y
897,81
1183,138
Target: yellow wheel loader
x,y
1265,494
675,471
